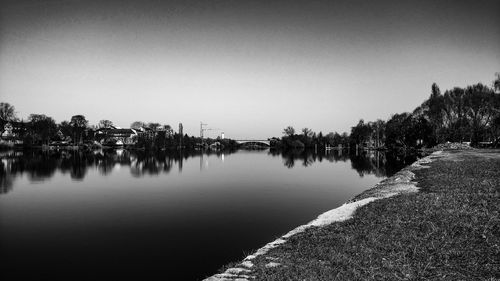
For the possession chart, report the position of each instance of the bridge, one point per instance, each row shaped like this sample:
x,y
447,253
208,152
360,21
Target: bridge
x,y
254,142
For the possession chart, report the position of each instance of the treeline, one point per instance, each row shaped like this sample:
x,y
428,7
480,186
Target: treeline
x,y
41,129
470,114
308,139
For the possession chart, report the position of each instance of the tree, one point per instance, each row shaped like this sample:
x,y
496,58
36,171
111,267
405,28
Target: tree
x,y
154,126
400,131
378,132
7,111
479,100
7,114
65,128
169,131
360,133
453,106
496,82
495,130
307,132
289,131
105,124
434,110
435,91
330,138
78,123
43,127
137,125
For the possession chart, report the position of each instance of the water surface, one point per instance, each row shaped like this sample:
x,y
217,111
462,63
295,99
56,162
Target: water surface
x,y
120,214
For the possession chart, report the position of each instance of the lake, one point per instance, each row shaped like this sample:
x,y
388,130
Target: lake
x,y
175,216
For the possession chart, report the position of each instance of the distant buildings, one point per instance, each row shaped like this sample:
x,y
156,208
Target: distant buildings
x,y
14,130
116,136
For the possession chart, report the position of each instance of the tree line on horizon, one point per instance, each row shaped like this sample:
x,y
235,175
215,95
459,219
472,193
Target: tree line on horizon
x,y
41,129
470,114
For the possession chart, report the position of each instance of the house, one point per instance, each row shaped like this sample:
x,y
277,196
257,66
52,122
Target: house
x,y
14,131
116,136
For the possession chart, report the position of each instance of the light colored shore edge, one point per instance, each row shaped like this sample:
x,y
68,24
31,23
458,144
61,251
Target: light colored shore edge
x,y
401,182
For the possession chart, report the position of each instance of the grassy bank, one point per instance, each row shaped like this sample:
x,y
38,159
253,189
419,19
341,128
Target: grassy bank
x,y
450,230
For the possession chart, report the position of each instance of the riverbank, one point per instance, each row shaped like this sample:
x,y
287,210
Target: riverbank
x,y
448,230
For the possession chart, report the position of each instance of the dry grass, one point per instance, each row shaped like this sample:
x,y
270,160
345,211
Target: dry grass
x,y
448,231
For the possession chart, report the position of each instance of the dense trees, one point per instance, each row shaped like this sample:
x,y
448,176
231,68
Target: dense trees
x,y
360,133
462,114
308,139
78,123
370,134
42,128
66,129
470,114
406,130
480,110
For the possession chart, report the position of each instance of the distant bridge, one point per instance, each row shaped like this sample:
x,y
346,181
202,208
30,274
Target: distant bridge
x,y
256,142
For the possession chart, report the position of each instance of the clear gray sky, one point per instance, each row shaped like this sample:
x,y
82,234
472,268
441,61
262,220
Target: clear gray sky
x,y
250,68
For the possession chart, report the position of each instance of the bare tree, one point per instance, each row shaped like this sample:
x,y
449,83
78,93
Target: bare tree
x,y
307,132
289,131
154,126
137,125
7,111
105,124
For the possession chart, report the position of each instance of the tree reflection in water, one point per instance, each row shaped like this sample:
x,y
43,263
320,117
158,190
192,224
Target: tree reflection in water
x,y
40,165
378,163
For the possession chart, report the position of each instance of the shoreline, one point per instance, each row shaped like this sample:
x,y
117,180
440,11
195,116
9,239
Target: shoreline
x,y
401,182
445,231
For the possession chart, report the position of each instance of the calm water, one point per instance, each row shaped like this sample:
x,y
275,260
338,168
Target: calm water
x,y
115,214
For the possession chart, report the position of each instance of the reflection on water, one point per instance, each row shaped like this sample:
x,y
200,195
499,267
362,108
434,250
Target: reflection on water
x,y
381,164
174,216
40,165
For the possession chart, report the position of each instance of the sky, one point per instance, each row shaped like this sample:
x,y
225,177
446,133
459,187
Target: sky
x,y
248,68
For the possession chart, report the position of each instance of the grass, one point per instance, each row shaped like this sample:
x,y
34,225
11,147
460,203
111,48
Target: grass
x,y
450,230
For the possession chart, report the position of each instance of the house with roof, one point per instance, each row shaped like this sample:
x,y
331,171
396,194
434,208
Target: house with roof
x,y
14,131
116,136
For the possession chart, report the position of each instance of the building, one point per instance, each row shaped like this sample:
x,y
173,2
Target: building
x,y
118,136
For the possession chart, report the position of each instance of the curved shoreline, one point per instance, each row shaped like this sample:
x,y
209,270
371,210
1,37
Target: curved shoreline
x,y
399,183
